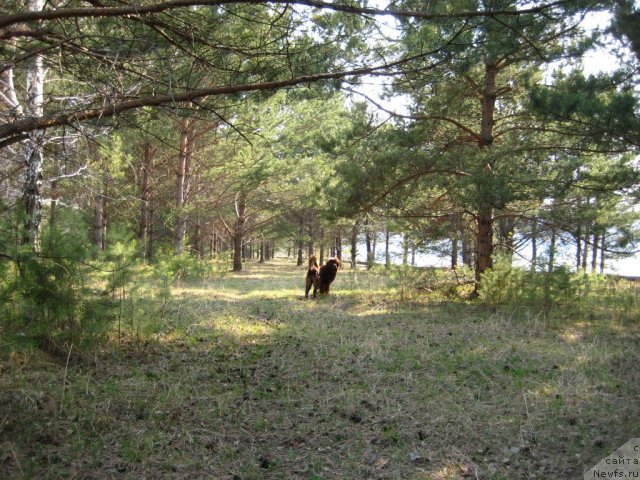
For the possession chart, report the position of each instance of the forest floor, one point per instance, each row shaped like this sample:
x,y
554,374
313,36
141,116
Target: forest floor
x,y
241,378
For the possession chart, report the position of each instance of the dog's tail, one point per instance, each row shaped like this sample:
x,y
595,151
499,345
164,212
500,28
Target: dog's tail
x,y
313,261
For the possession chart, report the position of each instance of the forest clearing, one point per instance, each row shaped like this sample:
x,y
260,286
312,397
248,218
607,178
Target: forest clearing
x,y
470,170
238,377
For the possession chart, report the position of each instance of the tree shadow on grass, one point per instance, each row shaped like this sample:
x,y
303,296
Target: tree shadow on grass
x,y
240,384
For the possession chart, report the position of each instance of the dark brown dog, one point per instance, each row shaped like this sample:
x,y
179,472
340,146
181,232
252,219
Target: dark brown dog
x,y
313,277
328,274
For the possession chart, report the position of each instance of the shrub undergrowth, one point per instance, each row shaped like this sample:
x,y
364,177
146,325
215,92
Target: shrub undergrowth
x,y
47,297
577,295
56,298
68,296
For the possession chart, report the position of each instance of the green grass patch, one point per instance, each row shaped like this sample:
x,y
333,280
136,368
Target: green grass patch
x,y
238,377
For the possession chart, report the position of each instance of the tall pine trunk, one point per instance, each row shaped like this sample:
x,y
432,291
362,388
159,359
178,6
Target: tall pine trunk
x,y
387,253
506,231
311,245
405,249
368,242
467,247
594,251
552,250
354,245
151,234
578,247
300,242
98,221
145,195
484,215
585,250
184,161
534,244
484,241
238,231
196,242
454,252
213,243
602,251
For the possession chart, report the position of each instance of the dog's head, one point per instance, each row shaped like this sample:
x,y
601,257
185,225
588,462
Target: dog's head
x,y
313,261
334,261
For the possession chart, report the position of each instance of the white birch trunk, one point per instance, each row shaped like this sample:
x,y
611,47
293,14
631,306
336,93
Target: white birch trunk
x,y
34,107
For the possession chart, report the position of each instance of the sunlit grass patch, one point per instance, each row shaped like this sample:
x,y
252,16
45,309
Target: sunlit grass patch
x,y
242,377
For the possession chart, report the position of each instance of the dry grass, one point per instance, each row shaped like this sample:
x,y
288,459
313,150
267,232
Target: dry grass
x,y
241,379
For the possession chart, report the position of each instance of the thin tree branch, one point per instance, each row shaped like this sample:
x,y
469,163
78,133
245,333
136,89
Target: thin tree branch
x,y
443,118
102,12
13,132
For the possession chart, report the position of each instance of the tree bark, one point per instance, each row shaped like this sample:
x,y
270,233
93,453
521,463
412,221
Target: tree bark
x,y
602,251
151,233
506,228
98,220
467,249
387,253
585,250
238,232
484,216
578,247
145,196
354,245
214,243
405,249
594,251
552,251
534,244
300,245
454,249
311,245
484,241
33,147
106,186
367,238
196,243
184,160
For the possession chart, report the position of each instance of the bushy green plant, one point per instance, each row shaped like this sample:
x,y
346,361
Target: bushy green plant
x,y
506,284
186,265
503,284
445,282
573,292
46,301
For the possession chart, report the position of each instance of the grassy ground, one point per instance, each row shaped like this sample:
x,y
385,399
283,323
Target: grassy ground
x,y
240,378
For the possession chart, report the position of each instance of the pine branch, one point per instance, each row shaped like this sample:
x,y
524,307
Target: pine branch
x,y
137,10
